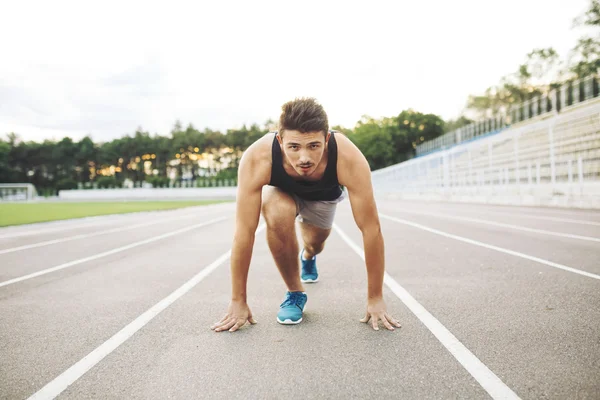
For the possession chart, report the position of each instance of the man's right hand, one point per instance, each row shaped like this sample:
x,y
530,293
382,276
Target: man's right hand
x,y
237,315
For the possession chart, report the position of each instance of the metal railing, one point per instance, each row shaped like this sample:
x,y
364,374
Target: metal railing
x,y
559,99
173,184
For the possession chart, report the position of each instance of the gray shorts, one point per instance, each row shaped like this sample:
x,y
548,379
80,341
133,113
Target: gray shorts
x,y
319,213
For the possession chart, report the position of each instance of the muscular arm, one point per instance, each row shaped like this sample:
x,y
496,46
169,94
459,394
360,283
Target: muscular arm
x,y
253,174
249,194
355,174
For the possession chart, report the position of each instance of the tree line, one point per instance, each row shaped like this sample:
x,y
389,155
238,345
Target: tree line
x,y
67,164
55,165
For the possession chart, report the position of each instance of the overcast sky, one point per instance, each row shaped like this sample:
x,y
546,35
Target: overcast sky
x,y
72,68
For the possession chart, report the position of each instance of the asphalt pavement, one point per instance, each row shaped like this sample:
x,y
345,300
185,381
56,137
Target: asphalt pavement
x,y
494,302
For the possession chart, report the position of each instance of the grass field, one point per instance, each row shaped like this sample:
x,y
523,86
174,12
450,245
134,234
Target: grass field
x,y
27,213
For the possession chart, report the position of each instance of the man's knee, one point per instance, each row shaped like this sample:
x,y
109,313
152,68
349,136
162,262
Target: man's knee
x,y
314,248
278,208
314,237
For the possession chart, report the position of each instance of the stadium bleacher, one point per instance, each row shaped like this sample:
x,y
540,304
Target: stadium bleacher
x,y
549,156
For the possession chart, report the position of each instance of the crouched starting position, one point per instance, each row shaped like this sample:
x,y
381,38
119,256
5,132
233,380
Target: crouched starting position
x,y
297,173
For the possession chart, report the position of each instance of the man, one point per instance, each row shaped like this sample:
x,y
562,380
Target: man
x,y
298,172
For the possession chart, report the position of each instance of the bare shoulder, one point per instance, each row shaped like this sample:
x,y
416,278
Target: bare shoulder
x,y
347,151
351,164
256,161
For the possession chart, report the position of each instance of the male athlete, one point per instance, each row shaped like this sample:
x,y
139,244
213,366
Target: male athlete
x,y
297,173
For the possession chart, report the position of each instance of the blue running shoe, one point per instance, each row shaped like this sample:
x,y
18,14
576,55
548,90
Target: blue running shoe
x,y
290,311
309,269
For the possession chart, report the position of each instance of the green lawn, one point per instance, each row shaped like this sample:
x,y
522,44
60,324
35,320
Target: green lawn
x,y
27,213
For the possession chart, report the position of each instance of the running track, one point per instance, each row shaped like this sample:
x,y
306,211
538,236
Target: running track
x,y
495,302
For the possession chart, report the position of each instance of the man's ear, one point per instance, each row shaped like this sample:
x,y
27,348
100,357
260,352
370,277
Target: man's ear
x,y
279,139
327,138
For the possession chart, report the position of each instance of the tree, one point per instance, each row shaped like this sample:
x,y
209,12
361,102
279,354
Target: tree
x,y
585,57
85,158
256,132
536,76
415,128
6,174
373,139
392,140
213,140
162,149
237,140
591,16
454,124
541,68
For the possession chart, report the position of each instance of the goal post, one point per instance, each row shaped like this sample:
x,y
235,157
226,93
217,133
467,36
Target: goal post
x,y
17,192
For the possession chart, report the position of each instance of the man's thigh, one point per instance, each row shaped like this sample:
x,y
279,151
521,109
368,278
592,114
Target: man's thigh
x,y
313,235
277,202
319,214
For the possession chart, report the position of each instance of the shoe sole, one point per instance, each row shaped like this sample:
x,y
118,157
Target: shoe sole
x,y
289,321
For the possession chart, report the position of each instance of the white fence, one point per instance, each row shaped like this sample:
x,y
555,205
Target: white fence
x,y
554,161
207,193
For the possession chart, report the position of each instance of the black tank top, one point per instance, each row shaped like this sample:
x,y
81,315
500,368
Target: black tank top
x,y
328,188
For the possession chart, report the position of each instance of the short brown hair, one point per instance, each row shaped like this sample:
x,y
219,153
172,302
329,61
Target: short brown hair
x,y
303,115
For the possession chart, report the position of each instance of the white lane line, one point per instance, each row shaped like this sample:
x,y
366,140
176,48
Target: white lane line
x,y
556,219
50,230
541,210
519,215
79,223
538,211
500,224
77,370
89,235
491,247
478,370
107,253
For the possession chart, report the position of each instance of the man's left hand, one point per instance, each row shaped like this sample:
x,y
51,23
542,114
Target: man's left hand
x,y
376,311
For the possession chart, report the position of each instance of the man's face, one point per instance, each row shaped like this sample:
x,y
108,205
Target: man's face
x,y
303,151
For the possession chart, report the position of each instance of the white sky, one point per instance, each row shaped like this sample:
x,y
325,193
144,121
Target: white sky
x,y
69,68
